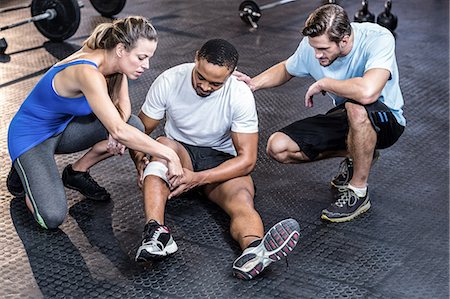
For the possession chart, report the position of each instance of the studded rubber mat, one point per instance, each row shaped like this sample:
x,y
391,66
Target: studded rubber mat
x,y
398,249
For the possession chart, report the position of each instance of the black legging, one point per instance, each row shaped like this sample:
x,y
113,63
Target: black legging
x,y
39,173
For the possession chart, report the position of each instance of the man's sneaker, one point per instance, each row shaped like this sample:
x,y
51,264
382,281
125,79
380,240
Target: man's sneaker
x,y
345,173
157,242
278,242
348,206
84,183
14,184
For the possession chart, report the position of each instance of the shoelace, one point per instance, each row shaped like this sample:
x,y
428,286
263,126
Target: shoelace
x,y
92,181
155,234
345,197
343,167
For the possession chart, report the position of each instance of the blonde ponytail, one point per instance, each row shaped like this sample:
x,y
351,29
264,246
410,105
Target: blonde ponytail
x,y
126,31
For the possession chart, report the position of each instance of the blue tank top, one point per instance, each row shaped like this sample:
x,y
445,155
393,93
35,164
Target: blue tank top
x,y
44,113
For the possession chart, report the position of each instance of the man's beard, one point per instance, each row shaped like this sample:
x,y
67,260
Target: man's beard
x,y
201,93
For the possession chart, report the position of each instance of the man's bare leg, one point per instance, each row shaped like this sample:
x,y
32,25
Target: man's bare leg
x,y
155,192
96,154
361,140
235,197
361,143
284,150
157,241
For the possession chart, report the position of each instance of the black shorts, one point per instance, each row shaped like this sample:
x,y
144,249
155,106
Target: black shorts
x,y
328,132
205,157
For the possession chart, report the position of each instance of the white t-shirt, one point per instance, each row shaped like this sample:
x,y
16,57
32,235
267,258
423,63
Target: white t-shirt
x,y
201,121
373,47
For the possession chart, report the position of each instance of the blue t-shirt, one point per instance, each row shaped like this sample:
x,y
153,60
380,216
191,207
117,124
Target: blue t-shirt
x,y
373,47
44,113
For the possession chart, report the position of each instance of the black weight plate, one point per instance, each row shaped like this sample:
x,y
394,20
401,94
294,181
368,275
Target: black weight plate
x,y
251,5
108,8
64,24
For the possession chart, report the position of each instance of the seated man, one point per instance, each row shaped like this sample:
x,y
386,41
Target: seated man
x,y
211,123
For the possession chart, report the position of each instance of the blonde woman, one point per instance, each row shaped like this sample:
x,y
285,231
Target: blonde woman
x,y
82,102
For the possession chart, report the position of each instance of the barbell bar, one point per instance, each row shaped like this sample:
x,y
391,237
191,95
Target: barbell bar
x,y
59,19
13,8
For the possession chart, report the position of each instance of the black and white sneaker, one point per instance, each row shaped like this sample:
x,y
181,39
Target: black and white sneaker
x,y
84,183
277,243
157,242
348,206
345,173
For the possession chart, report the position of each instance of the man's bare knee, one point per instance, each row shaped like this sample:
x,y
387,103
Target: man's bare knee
x,y
277,146
357,114
241,202
245,195
283,149
166,141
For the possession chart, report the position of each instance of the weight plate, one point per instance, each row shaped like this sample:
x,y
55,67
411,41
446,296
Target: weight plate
x,y
251,5
108,8
64,24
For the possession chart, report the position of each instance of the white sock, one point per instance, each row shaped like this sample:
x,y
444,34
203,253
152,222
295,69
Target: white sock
x,y
361,192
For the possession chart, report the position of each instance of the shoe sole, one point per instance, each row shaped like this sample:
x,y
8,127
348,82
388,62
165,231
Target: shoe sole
x,y
145,256
278,242
362,209
17,194
99,198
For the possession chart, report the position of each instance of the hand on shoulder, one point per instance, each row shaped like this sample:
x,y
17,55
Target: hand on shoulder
x,y
244,78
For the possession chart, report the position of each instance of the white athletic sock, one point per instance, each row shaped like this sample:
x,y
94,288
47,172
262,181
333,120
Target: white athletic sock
x,y
361,192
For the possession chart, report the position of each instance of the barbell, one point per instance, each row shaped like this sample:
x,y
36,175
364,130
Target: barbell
x,y
59,19
250,12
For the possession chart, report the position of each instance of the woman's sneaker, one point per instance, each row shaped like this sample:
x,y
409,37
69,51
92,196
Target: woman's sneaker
x,y
14,184
277,243
84,183
157,242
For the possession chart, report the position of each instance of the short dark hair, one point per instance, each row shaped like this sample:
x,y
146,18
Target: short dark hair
x,y
330,19
219,52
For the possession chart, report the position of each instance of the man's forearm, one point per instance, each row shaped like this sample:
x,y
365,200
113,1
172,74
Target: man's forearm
x,y
236,167
272,77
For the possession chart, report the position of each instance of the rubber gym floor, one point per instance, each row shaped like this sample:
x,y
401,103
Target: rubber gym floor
x,y
398,249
